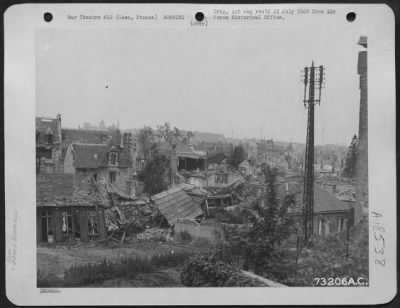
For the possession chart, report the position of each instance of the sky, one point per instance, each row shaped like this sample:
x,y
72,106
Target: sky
x,y
238,82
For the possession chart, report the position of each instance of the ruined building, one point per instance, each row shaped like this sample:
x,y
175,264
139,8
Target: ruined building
x,y
68,210
48,145
111,161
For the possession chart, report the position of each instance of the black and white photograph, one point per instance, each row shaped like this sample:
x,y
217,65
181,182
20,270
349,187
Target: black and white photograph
x,y
224,147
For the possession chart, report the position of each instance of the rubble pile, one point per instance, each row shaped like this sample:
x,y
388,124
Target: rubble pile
x,y
133,217
346,193
154,234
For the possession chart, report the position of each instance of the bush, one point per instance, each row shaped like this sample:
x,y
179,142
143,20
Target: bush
x,y
229,217
202,242
327,257
169,260
184,236
207,271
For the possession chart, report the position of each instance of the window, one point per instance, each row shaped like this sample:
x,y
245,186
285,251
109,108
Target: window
x,y
113,158
341,225
320,227
221,178
47,228
37,136
323,227
112,176
66,217
92,225
49,138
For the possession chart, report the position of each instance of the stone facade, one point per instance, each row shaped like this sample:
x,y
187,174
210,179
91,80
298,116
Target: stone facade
x,y
111,162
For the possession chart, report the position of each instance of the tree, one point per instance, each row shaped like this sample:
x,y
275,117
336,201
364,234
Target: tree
x,y
146,141
186,139
237,156
155,175
349,169
170,134
167,133
273,225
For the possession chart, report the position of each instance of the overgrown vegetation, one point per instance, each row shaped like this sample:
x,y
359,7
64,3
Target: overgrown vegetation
x,y
200,242
273,225
184,236
146,142
127,267
230,217
349,169
155,175
207,270
330,257
237,156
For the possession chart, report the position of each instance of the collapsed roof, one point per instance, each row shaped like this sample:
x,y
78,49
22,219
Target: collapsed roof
x,y
176,204
62,190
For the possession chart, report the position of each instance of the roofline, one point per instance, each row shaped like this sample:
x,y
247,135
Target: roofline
x,y
95,204
90,130
90,144
325,212
46,118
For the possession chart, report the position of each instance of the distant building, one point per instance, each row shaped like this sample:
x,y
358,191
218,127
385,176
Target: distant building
x,y
245,168
190,158
331,215
214,160
215,147
223,176
101,127
325,170
48,145
268,152
74,135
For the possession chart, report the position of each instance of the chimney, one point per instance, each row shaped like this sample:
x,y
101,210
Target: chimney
x,y
58,117
173,164
121,139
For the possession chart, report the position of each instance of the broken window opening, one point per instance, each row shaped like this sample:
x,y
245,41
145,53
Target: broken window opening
x,y
49,138
66,217
113,158
113,176
93,226
47,228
